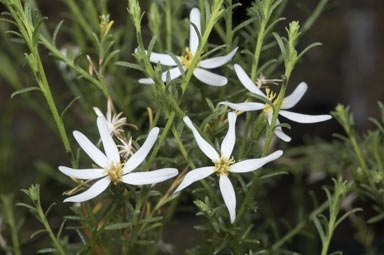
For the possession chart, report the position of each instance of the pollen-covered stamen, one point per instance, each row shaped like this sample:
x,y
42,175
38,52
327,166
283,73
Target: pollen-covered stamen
x,y
115,171
187,59
222,165
271,96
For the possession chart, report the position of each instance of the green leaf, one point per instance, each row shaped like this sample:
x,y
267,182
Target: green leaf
x,y
243,24
179,65
57,29
308,48
346,215
117,226
68,106
273,175
376,218
129,65
281,45
25,90
47,250
26,206
319,228
36,31
37,232
151,45
49,209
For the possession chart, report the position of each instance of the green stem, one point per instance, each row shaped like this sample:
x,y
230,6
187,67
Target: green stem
x,y
70,63
9,213
49,230
168,125
299,226
168,25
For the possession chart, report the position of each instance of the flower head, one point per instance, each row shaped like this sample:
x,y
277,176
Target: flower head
x,y
110,168
115,122
199,72
288,102
223,164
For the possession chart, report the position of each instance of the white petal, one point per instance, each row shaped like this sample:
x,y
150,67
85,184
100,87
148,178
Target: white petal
x,y
173,73
291,100
246,81
84,174
204,146
151,177
92,151
90,193
194,17
278,130
164,59
109,145
193,176
304,118
98,112
210,78
140,155
254,164
229,196
248,106
217,61
230,138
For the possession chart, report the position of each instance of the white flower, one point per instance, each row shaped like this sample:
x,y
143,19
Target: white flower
x,y
111,169
114,122
288,102
199,72
223,164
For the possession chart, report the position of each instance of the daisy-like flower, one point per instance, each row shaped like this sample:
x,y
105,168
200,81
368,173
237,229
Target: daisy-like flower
x,y
115,122
223,164
199,72
288,102
111,169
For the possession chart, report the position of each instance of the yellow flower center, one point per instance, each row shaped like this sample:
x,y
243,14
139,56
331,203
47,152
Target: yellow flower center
x,y
115,171
222,165
271,96
187,59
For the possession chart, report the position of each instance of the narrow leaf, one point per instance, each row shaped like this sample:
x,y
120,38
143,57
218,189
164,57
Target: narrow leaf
x,y
25,90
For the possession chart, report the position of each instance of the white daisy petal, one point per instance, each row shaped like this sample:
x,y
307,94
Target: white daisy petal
x,y
246,81
146,81
150,177
254,164
304,118
173,73
204,146
229,196
92,151
278,130
97,111
194,18
90,193
163,59
230,138
193,176
291,100
248,106
210,78
140,155
84,174
217,61
110,147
